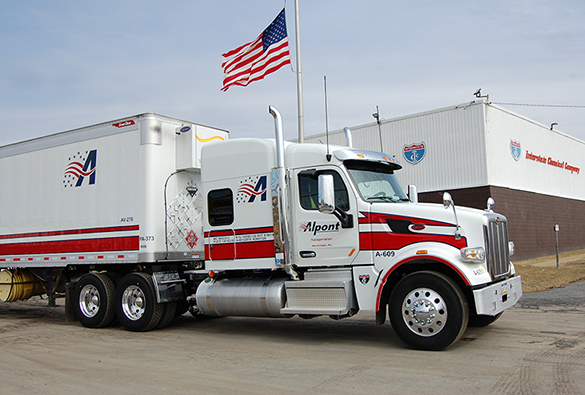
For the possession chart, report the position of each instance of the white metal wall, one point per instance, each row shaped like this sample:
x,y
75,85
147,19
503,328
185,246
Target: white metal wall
x,y
535,139
469,145
455,154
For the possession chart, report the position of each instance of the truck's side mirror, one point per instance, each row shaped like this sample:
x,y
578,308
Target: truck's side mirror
x,y
326,193
447,200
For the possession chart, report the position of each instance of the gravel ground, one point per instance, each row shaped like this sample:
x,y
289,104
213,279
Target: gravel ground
x,y
536,347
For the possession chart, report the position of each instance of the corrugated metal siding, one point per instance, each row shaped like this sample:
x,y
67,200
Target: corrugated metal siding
x,y
455,146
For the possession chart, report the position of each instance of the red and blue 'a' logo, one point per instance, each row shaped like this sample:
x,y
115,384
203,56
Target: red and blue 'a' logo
x,y
250,188
414,152
80,167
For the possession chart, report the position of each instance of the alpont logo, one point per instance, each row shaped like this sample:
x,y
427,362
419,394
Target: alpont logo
x,y
80,167
516,150
250,188
415,152
314,228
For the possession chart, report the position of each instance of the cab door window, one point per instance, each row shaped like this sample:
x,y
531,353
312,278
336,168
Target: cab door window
x,y
309,190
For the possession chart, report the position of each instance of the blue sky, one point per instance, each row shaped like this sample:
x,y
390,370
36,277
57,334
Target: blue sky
x,y
65,64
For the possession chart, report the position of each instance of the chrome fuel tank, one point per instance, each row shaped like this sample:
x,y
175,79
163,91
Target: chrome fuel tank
x,y
252,297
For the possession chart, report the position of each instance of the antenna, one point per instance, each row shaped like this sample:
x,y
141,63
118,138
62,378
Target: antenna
x,y
328,156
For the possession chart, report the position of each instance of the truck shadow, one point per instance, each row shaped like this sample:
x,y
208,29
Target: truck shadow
x,y
317,330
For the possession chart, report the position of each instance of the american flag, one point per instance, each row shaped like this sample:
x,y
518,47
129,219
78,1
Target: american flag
x,y
254,60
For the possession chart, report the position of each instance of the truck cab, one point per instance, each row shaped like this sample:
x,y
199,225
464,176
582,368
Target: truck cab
x,y
328,230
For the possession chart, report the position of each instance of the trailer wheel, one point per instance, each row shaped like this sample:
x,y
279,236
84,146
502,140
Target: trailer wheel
x,y
428,311
94,300
169,310
136,304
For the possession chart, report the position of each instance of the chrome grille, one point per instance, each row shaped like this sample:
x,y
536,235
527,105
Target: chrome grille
x,y
496,245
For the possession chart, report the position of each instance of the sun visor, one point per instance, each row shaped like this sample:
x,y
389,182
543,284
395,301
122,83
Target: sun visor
x,y
373,156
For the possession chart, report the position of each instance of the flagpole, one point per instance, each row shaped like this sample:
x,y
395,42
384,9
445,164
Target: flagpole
x,y
299,76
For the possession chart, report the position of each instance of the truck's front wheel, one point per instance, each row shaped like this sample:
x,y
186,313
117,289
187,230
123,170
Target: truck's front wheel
x,y
428,311
94,300
136,304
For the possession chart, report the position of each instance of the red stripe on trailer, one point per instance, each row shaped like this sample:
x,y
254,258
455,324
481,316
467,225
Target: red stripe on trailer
x,y
72,246
72,232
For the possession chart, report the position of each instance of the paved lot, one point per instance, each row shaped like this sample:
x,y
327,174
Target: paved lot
x,y
537,347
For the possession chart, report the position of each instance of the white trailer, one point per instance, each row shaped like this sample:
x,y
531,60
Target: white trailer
x,y
90,205
146,216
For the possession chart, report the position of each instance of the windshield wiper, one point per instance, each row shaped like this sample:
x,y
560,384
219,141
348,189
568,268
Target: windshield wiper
x,y
382,198
387,199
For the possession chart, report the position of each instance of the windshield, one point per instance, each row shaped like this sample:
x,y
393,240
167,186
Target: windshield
x,y
375,181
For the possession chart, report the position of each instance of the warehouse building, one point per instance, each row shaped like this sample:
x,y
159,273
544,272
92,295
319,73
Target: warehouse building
x,y
479,150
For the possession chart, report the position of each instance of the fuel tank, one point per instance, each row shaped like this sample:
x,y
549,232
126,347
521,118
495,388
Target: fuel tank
x,y
251,297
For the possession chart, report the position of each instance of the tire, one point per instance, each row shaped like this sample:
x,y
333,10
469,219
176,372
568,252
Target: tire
x,y
428,311
479,321
169,310
94,298
136,305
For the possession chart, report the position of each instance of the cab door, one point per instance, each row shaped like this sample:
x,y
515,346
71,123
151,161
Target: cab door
x,y
323,239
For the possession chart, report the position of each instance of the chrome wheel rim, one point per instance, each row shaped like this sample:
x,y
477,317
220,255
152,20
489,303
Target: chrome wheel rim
x,y
424,312
89,301
133,302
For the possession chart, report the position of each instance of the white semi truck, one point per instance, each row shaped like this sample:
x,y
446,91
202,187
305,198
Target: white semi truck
x,y
144,217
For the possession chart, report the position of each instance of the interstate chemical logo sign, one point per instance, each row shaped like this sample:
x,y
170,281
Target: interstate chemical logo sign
x,y
516,149
414,153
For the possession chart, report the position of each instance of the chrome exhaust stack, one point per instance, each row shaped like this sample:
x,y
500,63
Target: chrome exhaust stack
x,y
280,216
348,137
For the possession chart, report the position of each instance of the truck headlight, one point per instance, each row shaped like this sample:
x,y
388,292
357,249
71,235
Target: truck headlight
x,y
473,254
511,248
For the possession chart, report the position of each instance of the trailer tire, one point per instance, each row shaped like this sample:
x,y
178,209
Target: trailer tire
x,y
136,305
168,314
94,298
428,311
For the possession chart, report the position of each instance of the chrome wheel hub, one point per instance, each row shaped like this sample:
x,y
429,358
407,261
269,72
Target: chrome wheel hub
x,y
424,312
133,303
89,301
